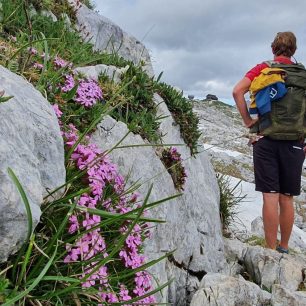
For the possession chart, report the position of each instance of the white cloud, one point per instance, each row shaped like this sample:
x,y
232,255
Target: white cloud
x,y
213,42
218,87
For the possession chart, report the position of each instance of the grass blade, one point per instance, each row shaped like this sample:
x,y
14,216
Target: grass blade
x,y
24,199
34,283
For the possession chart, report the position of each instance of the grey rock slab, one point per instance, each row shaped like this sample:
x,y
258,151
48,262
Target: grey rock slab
x,y
203,237
142,166
49,14
180,291
93,72
192,225
30,144
268,267
107,36
283,297
217,289
234,249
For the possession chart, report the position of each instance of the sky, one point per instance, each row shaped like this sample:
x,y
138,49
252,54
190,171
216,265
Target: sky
x,y
206,46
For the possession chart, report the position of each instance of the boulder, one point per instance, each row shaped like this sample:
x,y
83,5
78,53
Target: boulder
x,y
183,288
217,289
107,36
282,296
211,97
31,144
48,14
235,251
93,72
268,267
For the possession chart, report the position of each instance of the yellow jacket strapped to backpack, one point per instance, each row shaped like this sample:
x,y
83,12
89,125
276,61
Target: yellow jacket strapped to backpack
x,y
267,77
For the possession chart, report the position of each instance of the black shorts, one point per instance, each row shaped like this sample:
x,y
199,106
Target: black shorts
x,y
278,165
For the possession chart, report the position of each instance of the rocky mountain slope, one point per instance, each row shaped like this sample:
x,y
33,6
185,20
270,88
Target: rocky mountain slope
x,y
206,268
225,140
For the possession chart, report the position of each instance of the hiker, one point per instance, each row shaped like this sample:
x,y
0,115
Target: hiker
x,y
278,153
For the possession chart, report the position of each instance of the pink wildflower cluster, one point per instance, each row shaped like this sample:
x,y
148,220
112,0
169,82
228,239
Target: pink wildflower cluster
x,y
132,259
175,155
100,174
173,162
34,52
88,92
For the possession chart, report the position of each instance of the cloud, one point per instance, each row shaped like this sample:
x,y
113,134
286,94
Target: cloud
x,y
208,44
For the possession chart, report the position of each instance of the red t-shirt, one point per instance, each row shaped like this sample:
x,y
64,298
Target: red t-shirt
x,y
254,72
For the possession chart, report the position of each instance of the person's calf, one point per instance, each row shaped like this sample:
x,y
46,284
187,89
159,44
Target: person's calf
x,y
286,219
270,218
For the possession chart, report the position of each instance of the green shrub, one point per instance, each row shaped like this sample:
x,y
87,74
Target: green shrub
x,y
230,197
181,109
139,110
255,240
89,4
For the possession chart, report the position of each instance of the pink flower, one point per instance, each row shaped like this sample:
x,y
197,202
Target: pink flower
x,y
38,66
60,63
124,294
69,83
32,51
13,38
74,224
57,111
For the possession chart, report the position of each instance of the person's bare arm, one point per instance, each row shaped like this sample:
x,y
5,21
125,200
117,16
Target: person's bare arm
x,y
241,88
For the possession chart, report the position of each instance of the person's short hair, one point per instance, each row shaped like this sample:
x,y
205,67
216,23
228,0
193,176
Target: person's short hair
x,y
284,44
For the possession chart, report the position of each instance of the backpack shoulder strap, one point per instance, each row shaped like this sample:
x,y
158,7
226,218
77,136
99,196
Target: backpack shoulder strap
x,y
270,63
280,65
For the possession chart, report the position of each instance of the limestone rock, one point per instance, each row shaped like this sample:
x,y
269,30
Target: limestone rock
x,y
107,36
49,14
183,288
30,144
193,225
217,289
282,296
268,267
201,190
234,251
93,72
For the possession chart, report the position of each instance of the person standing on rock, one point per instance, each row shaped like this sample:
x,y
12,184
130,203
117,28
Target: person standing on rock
x,y
278,153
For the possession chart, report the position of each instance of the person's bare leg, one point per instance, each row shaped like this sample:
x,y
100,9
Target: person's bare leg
x,y
270,217
286,218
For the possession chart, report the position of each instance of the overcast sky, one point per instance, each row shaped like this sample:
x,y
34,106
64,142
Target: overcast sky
x,y
206,46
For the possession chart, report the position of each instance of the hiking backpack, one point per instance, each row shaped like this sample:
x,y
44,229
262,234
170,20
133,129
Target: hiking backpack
x,y
288,114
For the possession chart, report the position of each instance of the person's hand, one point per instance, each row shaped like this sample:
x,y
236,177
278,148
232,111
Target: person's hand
x,y
250,122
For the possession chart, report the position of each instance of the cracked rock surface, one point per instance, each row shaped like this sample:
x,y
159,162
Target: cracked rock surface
x,y
192,225
31,144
